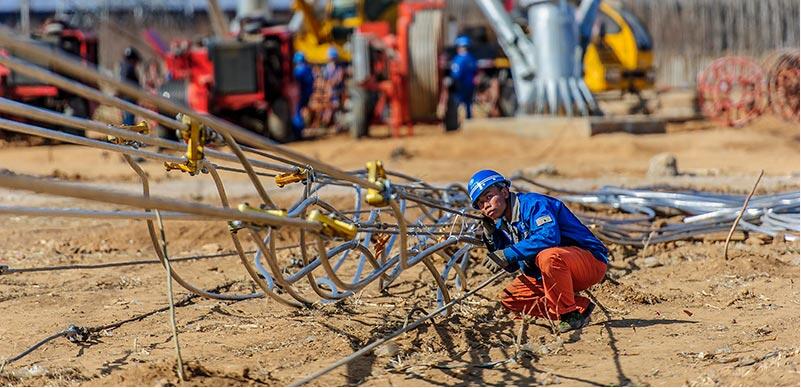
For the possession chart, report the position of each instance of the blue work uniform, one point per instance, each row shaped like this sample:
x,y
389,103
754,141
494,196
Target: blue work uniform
x,y
330,71
540,222
463,71
305,78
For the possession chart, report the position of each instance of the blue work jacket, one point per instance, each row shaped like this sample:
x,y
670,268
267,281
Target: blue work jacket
x,y
463,71
305,77
540,222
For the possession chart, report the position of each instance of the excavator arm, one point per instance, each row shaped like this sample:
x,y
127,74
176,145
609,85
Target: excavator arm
x,y
310,19
513,40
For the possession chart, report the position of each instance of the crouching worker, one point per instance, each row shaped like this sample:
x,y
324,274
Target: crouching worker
x,y
540,236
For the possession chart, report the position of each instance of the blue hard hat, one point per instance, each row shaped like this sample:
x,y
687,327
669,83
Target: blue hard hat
x,y
481,181
333,53
298,57
462,41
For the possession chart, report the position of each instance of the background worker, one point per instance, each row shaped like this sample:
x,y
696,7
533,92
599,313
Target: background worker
x,y
128,72
539,235
463,72
334,77
305,77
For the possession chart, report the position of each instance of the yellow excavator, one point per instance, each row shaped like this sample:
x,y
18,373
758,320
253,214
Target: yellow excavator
x,y
620,56
334,25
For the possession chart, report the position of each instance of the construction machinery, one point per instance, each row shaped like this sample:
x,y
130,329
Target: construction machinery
x,y
60,35
333,22
246,80
619,57
392,70
555,70
393,48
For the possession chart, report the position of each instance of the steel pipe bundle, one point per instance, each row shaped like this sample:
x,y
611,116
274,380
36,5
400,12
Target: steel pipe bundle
x,y
776,215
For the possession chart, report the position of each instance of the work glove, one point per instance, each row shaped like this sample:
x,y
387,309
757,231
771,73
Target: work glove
x,y
488,225
496,261
488,228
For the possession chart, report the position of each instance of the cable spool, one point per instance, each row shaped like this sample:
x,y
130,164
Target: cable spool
x,y
783,83
425,42
732,90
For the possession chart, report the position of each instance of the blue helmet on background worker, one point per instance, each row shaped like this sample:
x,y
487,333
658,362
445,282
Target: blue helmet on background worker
x,y
481,181
333,54
298,58
462,41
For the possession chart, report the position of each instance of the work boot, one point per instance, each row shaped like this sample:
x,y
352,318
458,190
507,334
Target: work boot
x,y
575,320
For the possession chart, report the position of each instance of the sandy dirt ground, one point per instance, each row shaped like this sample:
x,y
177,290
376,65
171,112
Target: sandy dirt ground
x,y
674,314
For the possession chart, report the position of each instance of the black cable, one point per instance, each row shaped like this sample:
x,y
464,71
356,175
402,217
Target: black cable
x,y
115,264
69,332
78,334
8,270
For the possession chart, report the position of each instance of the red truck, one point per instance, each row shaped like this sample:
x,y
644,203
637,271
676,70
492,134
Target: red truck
x,y
62,35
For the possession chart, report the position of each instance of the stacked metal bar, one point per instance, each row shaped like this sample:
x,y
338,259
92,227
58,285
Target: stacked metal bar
x,y
776,215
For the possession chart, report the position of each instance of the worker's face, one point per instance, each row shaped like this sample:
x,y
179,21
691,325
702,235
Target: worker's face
x,y
461,49
492,202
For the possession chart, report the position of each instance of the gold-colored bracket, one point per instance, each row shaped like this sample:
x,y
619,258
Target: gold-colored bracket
x,y
143,127
377,175
286,178
195,139
245,207
332,227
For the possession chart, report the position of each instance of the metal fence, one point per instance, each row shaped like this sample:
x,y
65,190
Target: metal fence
x,y
688,34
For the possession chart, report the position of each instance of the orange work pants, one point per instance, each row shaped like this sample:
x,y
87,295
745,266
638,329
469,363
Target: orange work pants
x,y
565,271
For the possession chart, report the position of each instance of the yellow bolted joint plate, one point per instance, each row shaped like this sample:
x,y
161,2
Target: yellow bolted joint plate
x,y
191,167
332,227
286,178
377,175
195,138
375,197
244,208
143,127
